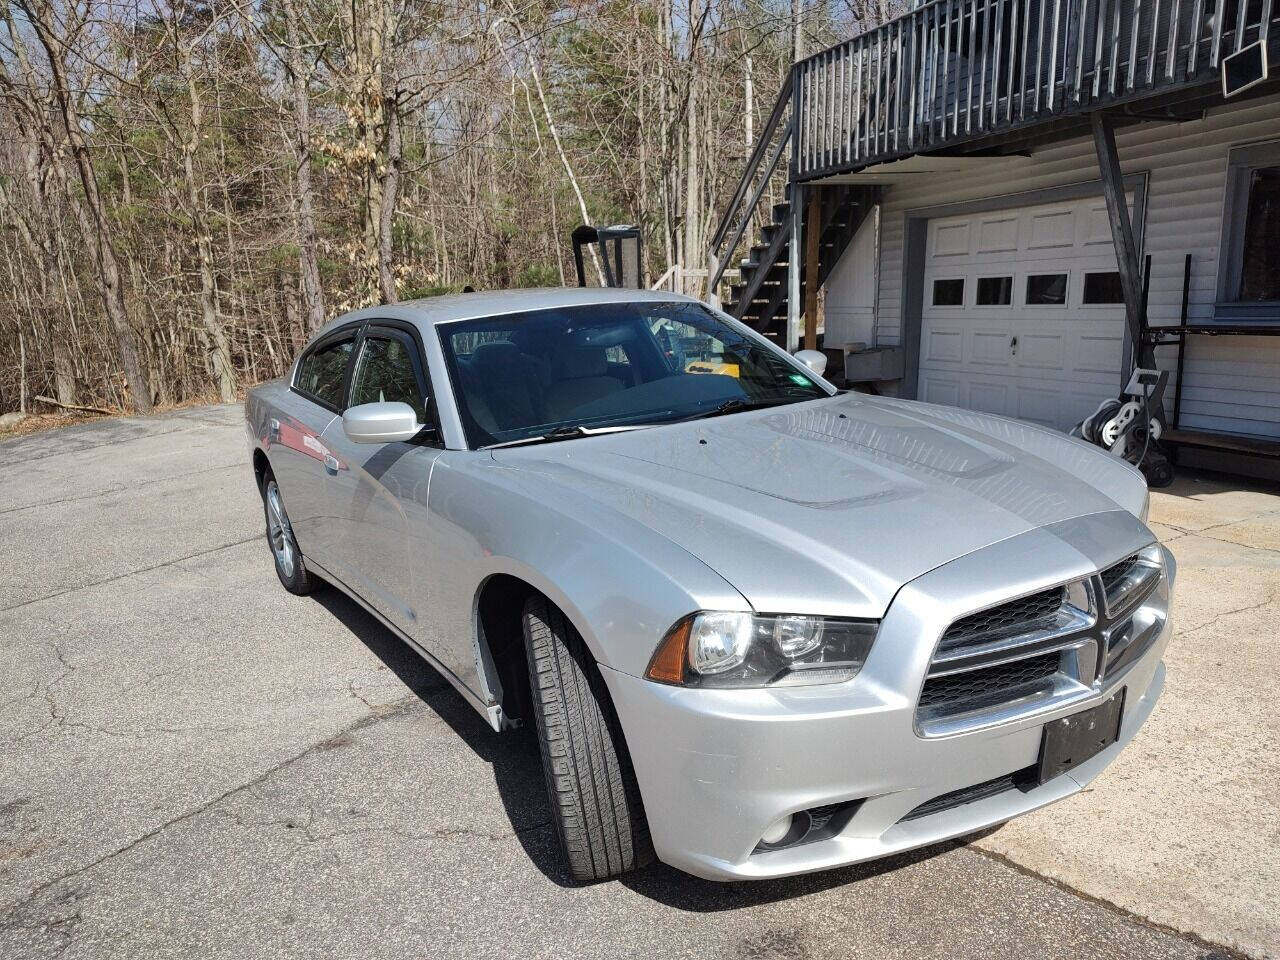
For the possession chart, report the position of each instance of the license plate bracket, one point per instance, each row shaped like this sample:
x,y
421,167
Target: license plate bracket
x,y
1070,741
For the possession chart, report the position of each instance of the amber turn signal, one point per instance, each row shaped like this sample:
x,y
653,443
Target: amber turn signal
x,y
667,665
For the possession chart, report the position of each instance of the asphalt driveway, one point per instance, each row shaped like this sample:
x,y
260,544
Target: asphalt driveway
x,y
194,763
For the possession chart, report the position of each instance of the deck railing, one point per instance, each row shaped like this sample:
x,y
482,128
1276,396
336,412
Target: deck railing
x,y
952,70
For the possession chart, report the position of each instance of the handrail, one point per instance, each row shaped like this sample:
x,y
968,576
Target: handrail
x,y
717,255
950,71
661,281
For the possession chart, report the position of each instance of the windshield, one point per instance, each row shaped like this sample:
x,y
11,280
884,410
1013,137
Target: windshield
x,y
612,364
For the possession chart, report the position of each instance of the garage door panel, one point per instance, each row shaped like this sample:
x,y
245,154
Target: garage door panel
x,y
936,390
1068,354
1096,225
998,235
1052,229
989,397
1040,404
991,347
1097,230
951,239
944,346
1043,350
1097,355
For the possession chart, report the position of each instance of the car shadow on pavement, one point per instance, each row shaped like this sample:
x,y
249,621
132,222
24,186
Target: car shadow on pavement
x,y
674,888
517,773
513,755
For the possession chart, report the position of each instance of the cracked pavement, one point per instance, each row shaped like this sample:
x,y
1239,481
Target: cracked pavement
x,y
197,764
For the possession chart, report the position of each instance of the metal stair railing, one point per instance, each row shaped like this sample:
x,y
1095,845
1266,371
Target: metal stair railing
x,y
738,214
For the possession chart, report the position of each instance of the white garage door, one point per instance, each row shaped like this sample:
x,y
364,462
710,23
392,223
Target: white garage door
x,y
1023,314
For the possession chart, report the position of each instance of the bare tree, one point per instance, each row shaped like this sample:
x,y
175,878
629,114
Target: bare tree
x,y
91,210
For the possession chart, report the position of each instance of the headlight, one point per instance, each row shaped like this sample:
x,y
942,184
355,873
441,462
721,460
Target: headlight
x,y
711,649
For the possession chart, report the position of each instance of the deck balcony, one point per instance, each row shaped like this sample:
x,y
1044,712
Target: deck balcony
x,y
952,73
957,78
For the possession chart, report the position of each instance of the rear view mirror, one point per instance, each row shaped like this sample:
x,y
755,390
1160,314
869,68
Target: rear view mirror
x,y
815,360
380,423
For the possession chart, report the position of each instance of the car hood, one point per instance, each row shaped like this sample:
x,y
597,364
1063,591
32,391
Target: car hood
x,y
829,507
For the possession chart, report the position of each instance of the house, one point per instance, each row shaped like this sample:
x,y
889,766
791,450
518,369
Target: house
x,y
1024,198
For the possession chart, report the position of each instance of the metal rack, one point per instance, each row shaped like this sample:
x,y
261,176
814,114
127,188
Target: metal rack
x,y
1164,336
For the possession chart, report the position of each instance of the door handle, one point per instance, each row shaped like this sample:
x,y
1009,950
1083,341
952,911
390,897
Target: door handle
x,y
1013,346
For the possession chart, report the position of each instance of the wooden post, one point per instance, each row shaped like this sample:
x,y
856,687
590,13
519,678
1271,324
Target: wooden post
x,y
1104,141
793,268
813,233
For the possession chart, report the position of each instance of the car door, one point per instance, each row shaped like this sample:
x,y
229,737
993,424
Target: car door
x,y
380,489
299,457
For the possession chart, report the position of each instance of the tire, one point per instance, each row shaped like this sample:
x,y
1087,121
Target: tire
x,y
595,800
290,567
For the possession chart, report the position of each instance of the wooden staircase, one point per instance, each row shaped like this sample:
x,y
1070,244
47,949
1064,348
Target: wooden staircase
x,y
760,298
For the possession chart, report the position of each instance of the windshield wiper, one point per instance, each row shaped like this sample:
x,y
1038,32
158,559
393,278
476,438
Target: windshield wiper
x,y
738,404
565,432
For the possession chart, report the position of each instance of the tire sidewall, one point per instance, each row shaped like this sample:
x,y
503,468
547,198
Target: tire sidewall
x,y
299,581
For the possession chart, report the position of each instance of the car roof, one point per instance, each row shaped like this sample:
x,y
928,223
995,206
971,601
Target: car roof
x,y
487,303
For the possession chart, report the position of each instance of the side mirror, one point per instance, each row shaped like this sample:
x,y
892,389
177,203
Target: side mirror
x,y
380,423
815,360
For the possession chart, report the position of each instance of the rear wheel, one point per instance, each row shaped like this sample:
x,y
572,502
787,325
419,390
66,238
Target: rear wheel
x,y
594,797
284,547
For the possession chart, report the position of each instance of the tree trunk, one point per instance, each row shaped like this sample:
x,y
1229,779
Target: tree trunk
x,y
304,203
368,32
692,195
224,370
390,195
91,211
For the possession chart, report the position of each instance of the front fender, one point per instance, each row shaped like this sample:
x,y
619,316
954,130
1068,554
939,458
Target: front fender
x,y
620,584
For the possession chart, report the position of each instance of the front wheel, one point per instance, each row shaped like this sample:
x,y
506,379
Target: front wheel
x,y
284,546
594,797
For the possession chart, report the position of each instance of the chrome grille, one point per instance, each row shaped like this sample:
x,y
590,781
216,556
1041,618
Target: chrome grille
x,y
1127,583
1044,647
995,684
1008,619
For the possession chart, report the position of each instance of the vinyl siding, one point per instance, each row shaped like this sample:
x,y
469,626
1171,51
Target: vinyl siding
x,y
1230,383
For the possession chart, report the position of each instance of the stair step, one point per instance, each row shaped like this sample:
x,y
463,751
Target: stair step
x,y
770,230
781,212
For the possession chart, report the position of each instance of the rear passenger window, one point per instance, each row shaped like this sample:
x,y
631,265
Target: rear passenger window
x,y
321,372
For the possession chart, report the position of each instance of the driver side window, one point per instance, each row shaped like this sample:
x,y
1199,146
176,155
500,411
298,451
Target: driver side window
x,y
385,374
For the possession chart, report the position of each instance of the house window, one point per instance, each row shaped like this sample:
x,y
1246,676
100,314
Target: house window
x,y
948,293
1249,258
1260,253
995,291
1046,289
1103,288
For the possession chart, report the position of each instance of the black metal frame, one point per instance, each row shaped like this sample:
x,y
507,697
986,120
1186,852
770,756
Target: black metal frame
x,y
611,241
1164,336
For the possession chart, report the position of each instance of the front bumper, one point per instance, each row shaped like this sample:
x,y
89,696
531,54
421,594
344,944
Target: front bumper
x,y
716,768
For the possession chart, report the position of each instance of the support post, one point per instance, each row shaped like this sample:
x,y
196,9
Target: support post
x,y
793,270
713,283
1104,141
811,253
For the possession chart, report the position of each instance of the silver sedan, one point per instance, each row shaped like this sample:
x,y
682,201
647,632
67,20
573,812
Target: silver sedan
x,y
762,626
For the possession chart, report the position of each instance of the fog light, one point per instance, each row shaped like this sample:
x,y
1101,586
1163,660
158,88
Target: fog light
x,y
777,831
